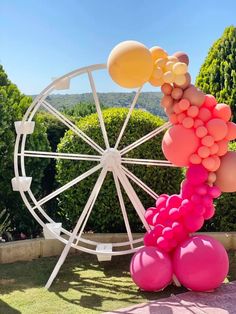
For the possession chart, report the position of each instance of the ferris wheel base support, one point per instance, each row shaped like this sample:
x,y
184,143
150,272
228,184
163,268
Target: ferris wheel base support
x,y
52,229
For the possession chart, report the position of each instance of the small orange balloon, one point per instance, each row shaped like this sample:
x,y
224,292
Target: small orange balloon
x,y
130,64
193,111
201,131
209,163
203,152
222,147
188,122
207,140
195,159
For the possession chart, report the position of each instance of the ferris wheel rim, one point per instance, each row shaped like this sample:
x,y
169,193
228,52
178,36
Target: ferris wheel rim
x,y
20,144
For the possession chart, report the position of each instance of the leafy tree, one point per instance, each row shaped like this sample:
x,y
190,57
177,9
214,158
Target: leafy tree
x,y
106,215
12,107
217,75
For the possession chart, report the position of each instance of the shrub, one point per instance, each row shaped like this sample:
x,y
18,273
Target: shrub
x,y
106,215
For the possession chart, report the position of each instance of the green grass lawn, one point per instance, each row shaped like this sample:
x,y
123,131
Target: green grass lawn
x,y
83,286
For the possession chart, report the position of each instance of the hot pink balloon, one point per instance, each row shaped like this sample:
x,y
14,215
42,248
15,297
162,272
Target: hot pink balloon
x,y
226,174
196,174
151,269
201,263
179,144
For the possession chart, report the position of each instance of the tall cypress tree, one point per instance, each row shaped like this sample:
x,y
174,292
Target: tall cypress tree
x,y
217,75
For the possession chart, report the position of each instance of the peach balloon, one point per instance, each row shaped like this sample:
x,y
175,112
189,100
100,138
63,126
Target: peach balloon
x,y
177,93
188,122
195,159
158,52
222,111
204,114
180,68
168,77
161,62
211,177
179,144
180,79
209,163
198,123
203,152
166,89
222,147
185,84
181,117
177,108
166,101
217,128
207,141
157,73
130,64
231,133
226,174
217,163
173,118
184,104
194,95
193,111
201,131
214,149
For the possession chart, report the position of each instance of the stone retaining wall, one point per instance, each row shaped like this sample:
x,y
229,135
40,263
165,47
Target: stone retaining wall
x,y
27,250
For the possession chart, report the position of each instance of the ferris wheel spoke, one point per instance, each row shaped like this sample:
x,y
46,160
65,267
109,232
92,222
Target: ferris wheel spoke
x,y
88,208
147,162
41,154
67,186
140,183
123,210
72,126
99,111
138,206
128,117
145,138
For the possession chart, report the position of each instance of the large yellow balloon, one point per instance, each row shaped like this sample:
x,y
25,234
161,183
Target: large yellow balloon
x,y
130,64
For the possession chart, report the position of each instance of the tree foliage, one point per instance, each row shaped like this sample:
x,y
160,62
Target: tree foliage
x,y
217,75
13,105
106,215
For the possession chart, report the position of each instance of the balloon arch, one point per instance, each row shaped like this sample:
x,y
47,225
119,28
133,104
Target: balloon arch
x,y
197,139
198,136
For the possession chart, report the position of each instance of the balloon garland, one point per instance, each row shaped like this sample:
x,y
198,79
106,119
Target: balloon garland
x,y
198,139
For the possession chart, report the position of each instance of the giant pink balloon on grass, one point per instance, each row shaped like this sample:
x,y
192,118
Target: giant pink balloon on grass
x,y
201,263
151,269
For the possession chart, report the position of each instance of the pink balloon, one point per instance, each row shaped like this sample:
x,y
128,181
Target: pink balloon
x,y
150,239
151,269
214,191
186,207
149,214
217,128
161,201
174,201
209,212
226,174
201,263
196,174
179,144
193,222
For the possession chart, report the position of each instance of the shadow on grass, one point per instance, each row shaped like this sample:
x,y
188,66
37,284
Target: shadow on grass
x,y
85,282
6,309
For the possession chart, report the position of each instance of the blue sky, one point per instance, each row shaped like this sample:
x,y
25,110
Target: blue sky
x,y
48,38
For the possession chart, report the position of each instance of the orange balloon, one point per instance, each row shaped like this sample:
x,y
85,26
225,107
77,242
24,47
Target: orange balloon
x,y
178,144
195,159
231,134
222,111
204,114
207,141
203,152
201,131
226,174
214,149
181,117
198,123
130,64
217,128
188,122
209,163
184,104
193,111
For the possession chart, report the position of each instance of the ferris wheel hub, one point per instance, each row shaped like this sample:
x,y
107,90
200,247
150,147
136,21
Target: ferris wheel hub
x,y
111,159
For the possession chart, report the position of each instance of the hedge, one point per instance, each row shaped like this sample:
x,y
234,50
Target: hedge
x,y
106,215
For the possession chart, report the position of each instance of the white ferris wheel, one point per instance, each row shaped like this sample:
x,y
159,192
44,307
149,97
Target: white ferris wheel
x,y
108,159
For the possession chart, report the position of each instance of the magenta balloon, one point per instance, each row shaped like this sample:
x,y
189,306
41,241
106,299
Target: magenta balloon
x,y
161,201
196,174
174,200
201,263
151,269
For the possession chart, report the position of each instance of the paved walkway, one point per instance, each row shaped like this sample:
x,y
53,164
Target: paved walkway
x,y
222,301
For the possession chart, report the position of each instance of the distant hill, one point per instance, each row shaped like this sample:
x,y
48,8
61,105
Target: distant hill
x,y
149,101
